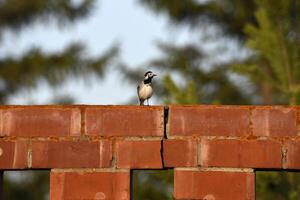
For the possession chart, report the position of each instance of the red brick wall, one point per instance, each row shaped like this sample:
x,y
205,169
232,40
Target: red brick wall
x,y
90,150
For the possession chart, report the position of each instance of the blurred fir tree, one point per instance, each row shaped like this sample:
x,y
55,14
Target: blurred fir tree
x,y
28,70
275,40
270,30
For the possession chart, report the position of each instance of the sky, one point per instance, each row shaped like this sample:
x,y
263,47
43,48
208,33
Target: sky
x,y
126,22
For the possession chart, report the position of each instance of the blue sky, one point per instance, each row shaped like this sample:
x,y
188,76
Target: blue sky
x,y
126,22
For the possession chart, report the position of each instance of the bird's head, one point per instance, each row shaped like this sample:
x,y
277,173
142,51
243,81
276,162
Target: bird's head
x,y
149,75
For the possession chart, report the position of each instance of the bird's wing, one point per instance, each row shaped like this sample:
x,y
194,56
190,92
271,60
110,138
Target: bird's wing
x,y
138,88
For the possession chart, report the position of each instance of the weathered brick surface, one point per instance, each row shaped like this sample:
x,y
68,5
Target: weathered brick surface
x,y
138,154
71,154
292,154
119,138
214,185
209,121
13,154
180,153
274,121
124,121
240,153
85,186
40,121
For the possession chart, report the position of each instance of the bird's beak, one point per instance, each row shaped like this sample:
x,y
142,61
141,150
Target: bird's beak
x,y
154,74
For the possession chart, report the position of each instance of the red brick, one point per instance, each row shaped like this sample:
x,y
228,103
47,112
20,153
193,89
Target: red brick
x,y
240,153
274,121
212,185
180,153
84,186
40,121
125,120
293,154
13,154
138,154
209,120
71,154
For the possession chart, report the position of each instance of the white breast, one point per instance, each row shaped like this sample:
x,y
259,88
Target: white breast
x,y
145,92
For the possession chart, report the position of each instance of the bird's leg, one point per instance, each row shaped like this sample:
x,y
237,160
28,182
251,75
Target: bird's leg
x,y
141,102
148,102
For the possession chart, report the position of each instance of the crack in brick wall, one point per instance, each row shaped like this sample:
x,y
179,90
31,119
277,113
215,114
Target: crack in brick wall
x,y
206,145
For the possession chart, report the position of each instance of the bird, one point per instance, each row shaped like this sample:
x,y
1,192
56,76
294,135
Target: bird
x,y
144,89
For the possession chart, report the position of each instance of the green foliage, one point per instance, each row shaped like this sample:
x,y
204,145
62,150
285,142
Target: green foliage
x,y
276,43
26,185
16,14
186,95
152,184
279,186
230,15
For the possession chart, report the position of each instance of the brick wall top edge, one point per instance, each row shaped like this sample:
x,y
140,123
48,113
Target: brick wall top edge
x,y
145,107
57,106
4,107
232,106
125,107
